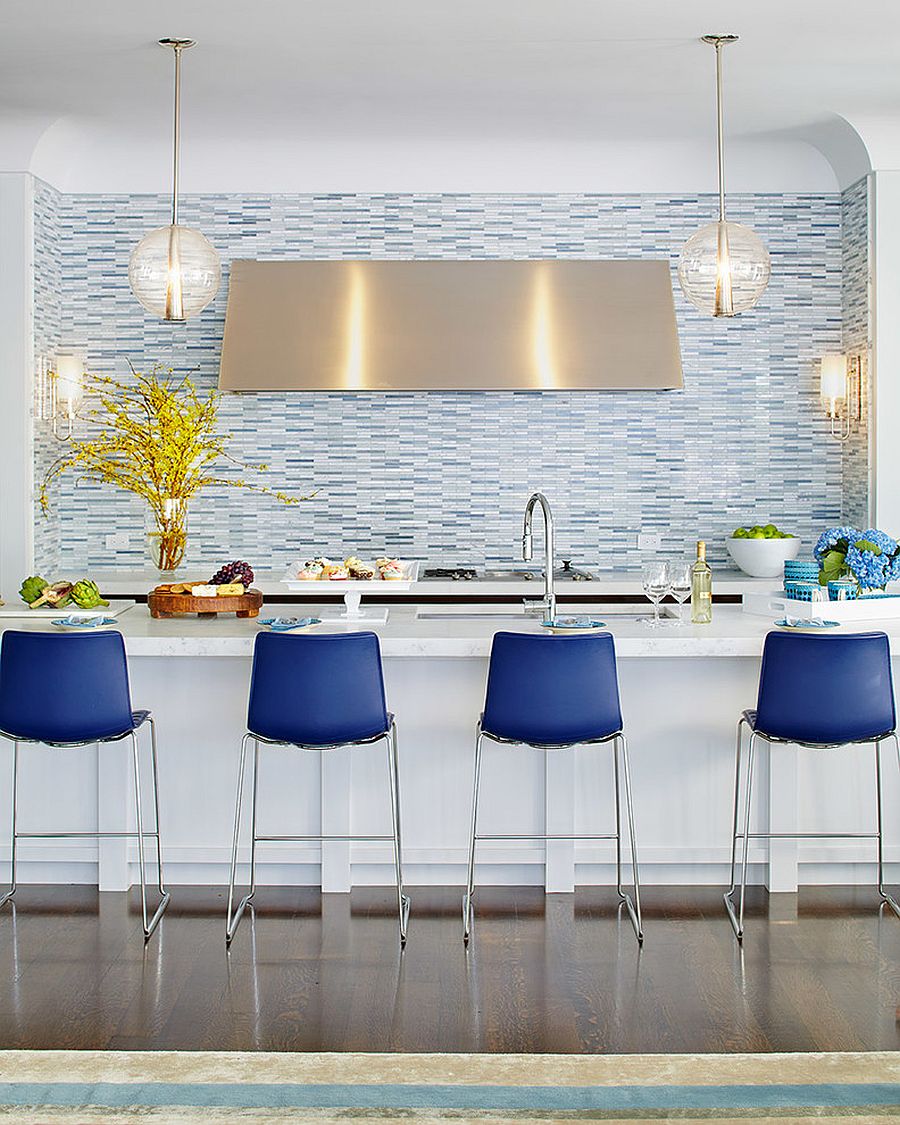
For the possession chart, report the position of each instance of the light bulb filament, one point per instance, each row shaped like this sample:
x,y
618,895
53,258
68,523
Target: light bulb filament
x,y
724,301
174,279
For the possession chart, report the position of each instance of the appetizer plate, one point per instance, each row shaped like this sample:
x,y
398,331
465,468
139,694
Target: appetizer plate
x,y
84,621
807,626
572,624
335,585
286,624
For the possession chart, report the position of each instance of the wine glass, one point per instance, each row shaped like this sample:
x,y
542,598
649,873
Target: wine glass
x,y
680,574
655,579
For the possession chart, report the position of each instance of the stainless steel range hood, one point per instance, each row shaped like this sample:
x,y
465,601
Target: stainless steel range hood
x,y
367,325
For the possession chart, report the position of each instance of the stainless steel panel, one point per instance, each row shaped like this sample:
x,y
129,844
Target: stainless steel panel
x,y
450,325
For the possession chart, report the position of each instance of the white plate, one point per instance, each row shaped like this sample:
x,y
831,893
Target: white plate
x,y
354,585
287,624
808,626
85,622
574,624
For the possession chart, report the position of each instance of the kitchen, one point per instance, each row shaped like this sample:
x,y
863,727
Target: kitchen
x,y
439,393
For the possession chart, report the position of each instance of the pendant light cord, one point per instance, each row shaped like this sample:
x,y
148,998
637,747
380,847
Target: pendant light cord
x,y
176,135
720,130
176,45
719,41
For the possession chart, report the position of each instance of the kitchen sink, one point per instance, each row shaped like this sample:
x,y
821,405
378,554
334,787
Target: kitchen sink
x,y
448,614
519,613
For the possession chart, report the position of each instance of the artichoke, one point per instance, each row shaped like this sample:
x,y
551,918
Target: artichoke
x,y
86,594
32,588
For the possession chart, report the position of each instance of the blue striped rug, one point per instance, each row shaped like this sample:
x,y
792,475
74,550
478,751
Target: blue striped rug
x,y
183,1088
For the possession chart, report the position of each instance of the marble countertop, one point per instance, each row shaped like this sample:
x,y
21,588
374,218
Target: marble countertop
x,y
447,632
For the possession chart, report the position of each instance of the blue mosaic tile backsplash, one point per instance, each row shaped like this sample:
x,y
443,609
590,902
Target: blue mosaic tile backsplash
x,y
445,476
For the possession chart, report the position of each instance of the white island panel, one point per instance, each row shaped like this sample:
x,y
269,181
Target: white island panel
x,y
682,688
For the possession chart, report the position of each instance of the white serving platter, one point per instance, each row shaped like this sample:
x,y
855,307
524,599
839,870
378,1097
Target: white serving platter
x,y
355,585
847,613
19,609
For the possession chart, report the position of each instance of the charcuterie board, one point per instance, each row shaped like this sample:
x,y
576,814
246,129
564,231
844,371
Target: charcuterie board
x,y
165,604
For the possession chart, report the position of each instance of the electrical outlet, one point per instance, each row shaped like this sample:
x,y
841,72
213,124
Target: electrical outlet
x,y
649,541
118,541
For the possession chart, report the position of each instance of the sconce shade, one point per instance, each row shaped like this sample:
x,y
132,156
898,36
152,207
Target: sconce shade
x,y
833,379
724,269
69,371
174,272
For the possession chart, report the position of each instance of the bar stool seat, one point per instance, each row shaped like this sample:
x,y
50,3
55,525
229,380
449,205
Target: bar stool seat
x,y
315,693
88,702
554,693
819,693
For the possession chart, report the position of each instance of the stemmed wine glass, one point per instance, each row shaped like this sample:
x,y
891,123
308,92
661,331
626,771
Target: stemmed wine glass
x,y
656,582
681,574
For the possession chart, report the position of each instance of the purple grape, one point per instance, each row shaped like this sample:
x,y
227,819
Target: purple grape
x,y
236,571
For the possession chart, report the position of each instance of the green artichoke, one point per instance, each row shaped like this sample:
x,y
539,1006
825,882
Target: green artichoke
x,y
32,588
86,594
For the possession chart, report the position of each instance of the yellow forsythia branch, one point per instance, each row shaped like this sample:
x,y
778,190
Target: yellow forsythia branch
x,y
156,438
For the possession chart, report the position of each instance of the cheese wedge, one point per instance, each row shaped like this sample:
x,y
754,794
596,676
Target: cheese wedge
x,y
205,591
231,589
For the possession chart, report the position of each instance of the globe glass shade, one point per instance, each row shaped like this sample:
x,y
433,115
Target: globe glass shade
x,y
174,272
724,269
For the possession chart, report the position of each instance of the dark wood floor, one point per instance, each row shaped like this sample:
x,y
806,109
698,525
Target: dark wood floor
x,y
819,971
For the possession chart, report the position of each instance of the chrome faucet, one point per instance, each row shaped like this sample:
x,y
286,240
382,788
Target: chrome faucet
x,y
527,547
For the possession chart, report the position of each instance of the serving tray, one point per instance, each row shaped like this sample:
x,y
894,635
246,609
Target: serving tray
x,y
848,612
356,585
114,609
171,605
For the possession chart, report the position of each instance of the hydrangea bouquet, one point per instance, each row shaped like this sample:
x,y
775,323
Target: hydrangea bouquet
x,y
871,558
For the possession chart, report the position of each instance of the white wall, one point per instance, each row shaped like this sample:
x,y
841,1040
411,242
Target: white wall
x,y
886,352
16,366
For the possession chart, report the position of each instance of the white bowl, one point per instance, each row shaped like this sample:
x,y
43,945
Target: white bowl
x,y
763,558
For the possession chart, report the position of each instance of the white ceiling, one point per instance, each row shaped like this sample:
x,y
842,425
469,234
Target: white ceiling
x,y
415,94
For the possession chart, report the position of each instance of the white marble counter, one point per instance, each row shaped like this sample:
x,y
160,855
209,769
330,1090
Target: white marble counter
x,y
436,631
682,689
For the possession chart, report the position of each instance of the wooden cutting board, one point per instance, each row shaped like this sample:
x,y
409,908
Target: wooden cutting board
x,y
171,605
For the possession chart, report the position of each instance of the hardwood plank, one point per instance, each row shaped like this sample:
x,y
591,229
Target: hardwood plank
x,y
560,973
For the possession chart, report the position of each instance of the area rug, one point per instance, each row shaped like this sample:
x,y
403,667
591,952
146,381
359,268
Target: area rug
x,y
212,1088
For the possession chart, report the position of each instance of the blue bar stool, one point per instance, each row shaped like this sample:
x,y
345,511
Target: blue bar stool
x,y
554,693
72,691
820,693
316,693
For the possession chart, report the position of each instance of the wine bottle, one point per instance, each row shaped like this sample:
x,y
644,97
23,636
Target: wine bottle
x,y
701,588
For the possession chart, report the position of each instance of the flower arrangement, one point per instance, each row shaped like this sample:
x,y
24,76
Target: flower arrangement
x,y
157,438
870,557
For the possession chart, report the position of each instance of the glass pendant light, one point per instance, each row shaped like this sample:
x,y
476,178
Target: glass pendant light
x,y
174,271
724,268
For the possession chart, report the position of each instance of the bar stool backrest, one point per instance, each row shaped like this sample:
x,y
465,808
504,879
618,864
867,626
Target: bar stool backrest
x,y
826,690
552,690
317,690
64,688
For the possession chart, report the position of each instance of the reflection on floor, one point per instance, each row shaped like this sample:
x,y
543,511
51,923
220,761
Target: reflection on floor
x,y
306,972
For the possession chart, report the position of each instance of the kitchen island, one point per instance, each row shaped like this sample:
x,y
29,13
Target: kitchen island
x,y
682,689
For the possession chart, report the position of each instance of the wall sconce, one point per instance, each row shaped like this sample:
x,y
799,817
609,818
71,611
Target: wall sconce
x,y
60,387
841,389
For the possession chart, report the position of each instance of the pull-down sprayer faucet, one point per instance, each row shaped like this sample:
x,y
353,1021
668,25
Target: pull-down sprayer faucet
x,y
527,547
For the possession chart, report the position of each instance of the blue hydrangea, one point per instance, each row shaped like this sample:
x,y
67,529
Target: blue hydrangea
x,y
829,539
880,539
873,571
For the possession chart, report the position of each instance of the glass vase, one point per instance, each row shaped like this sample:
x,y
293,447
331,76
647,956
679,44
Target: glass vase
x,y
167,534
